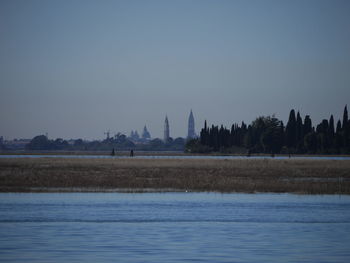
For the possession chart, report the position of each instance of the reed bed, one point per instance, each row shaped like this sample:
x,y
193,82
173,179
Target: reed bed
x,y
140,175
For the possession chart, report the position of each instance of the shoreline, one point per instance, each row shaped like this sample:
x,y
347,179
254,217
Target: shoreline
x,y
143,191
300,176
156,153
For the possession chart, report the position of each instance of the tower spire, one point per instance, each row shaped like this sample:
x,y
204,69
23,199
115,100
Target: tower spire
x,y
191,130
166,129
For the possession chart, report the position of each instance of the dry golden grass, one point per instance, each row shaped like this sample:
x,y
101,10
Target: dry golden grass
x,y
246,175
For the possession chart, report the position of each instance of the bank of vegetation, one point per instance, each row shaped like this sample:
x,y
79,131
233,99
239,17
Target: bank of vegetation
x,y
269,135
231,175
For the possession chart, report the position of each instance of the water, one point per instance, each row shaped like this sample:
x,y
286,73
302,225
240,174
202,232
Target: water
x,y
174,227
174,157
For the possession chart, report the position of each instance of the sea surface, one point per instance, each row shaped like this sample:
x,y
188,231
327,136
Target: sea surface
x,y
174,227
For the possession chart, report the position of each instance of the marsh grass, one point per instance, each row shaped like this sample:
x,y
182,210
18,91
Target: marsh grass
x,y
138,175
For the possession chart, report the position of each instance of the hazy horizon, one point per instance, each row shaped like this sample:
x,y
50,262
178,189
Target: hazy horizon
x,y
75,69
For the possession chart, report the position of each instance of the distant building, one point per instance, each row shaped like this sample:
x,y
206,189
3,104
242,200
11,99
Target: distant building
x,y
166,129
134,135
145,134
191,130
15,144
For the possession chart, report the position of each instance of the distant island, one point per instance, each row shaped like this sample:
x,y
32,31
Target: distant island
x,y
118,142
268,135
265,135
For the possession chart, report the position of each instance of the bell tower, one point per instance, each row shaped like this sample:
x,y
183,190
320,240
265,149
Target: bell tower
x,y
191,131
166,129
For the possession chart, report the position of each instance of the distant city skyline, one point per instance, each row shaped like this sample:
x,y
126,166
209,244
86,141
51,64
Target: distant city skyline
x,y
190,129
76,69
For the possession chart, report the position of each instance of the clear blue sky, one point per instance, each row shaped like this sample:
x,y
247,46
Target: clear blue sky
x,y
78,68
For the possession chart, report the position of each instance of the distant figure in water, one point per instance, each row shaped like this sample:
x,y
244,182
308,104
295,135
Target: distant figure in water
x,y
113,152
272,155
248,154
132,153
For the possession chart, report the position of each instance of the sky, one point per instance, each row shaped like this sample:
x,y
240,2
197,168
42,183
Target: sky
x,y
75,69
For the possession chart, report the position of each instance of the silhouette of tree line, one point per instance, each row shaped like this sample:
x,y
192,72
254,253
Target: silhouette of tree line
x,y
269,135
119,142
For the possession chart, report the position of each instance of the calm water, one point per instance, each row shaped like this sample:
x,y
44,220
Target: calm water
x,y
174,227
173,157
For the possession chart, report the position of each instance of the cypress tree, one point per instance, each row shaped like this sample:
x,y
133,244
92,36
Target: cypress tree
x,y
345,118
299,128
204,134
243,126
331,132
215,137
307,125
202,137
299,132
338,130
322,136
226,137
242,132
232,135
346,132
310,142
247,140
270,138
291,130
338,137
282,134
211,136
331,127
324,126
221,137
